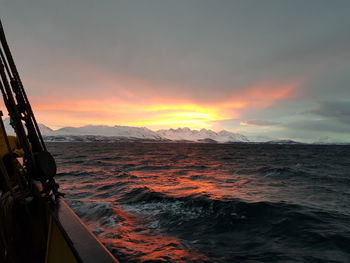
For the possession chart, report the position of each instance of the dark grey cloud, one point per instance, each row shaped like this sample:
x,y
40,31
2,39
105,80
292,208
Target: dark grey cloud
x,y
335,110
208,48
317,126
198,50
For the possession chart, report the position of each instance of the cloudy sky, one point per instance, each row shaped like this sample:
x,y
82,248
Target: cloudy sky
x,y
278,68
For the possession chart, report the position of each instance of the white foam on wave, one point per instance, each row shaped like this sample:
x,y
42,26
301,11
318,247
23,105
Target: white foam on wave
x,y
176,208
98,214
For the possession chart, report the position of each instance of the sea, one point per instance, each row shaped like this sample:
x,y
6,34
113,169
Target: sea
x,y
193,202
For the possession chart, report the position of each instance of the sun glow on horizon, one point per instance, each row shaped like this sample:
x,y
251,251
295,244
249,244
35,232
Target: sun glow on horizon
x,y
157,112
156,116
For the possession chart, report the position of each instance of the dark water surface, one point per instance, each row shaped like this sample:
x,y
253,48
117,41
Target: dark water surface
x,y
211,202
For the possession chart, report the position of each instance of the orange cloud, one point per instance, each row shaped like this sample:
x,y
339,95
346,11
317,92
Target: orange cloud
x,y
123,100
244,123
264,94
157,113
111,112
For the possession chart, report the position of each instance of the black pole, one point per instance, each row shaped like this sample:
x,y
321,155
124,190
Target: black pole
x,y
39,164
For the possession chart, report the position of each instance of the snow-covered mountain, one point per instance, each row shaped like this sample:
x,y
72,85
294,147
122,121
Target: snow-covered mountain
x,y
8,127
122,133
186,134
283,141
105,133
93,130
181,134
43,128
103,130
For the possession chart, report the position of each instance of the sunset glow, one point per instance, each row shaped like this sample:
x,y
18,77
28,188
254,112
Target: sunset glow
x,y
192,65
156,112
175,131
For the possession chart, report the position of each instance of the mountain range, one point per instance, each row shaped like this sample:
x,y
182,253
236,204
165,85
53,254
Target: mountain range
x,y
127,133
121,133
186,134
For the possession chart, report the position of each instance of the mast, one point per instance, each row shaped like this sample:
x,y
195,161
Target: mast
x,y
33,228
38,163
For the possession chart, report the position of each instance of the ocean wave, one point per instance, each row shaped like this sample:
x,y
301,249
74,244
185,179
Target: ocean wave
x,y
267,171
241,203
205,215
98,213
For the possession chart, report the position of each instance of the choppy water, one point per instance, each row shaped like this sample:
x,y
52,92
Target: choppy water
x,y
211,202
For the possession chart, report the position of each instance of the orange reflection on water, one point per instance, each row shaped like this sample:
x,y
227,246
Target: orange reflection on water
x,y
211,184
134,239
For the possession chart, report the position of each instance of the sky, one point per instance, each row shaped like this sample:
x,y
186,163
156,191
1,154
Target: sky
x,y
271,68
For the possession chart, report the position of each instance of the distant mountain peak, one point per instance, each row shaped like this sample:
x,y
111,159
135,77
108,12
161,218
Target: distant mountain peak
x,y
10,131
186,134
109,131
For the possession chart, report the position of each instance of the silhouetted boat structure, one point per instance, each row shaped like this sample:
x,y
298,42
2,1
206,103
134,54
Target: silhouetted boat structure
x,y
36,225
